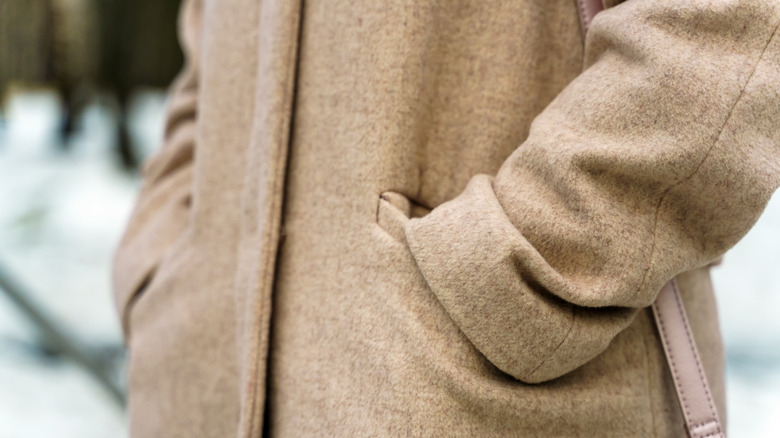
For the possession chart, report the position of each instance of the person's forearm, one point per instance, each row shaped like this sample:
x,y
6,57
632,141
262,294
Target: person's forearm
x,y
657,159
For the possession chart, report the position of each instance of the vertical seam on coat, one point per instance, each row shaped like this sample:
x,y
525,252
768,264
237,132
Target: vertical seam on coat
x,y
279,225
274,223
663,195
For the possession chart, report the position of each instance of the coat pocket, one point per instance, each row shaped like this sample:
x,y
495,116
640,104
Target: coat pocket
x,y
393,212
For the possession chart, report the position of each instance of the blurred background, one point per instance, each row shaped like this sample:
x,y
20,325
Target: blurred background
x,y
81,105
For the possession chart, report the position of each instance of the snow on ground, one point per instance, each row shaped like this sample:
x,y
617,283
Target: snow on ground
x,y
62,212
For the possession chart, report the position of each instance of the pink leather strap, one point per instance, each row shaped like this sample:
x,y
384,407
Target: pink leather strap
x,y
693,391
588,9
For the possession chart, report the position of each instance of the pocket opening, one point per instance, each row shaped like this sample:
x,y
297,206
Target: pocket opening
x,y
394,210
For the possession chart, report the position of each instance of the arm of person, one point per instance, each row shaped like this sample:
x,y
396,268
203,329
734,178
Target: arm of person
x,y
162,209
657,159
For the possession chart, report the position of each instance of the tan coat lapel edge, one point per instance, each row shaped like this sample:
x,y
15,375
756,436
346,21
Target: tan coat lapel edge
x,y
279,25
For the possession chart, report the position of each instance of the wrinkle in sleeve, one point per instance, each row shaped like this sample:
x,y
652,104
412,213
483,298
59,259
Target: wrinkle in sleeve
x,y
656,160
162,209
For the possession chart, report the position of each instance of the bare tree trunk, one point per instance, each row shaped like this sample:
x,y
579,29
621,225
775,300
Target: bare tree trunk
x,y
24,41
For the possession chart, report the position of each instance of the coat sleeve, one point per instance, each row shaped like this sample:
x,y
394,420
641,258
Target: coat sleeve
x,y
657,159
162,209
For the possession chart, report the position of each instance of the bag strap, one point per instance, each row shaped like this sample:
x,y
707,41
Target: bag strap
x,y
588,9
693,391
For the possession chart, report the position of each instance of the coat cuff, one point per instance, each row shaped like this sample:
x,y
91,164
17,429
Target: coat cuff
x,y
479,267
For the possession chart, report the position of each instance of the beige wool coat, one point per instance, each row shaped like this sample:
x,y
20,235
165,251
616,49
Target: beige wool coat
x,y
442,217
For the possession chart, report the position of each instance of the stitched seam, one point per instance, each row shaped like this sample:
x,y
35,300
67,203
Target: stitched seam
x,y
696,434
660,316
717,433
497,204
663,195
565,337
701,425
586,16
692,345
583,18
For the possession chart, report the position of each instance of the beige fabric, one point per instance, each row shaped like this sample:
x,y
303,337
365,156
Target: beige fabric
x,y
272,283
682,356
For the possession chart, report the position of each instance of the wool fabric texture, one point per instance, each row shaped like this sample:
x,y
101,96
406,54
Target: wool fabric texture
x,y
442,218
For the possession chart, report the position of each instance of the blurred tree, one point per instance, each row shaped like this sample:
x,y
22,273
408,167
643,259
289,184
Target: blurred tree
x,y
82,46
24,41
